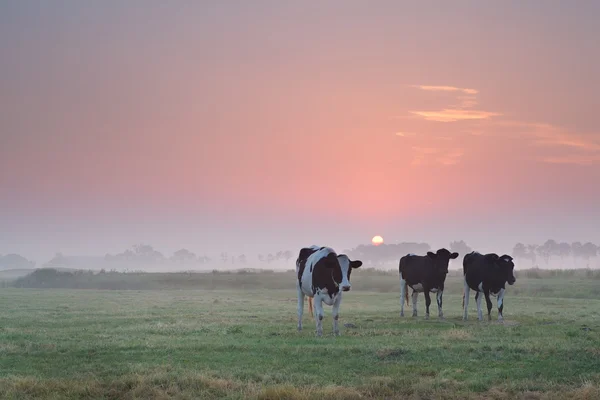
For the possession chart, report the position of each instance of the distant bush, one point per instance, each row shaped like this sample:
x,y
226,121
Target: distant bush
x,y
537,273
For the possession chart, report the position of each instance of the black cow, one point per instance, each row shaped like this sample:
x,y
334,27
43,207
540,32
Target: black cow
x,y
486,274
424,274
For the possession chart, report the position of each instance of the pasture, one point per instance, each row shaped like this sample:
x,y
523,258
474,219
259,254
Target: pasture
x,y
228,335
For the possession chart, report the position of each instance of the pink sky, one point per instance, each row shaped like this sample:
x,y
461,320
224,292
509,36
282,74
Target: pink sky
x,y
263,126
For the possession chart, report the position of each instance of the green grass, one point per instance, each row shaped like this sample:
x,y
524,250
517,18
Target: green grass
x,y
204,344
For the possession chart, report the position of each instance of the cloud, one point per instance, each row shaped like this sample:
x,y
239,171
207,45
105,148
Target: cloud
x,y
467,101
453,115
445,89
406,134
558,138
576,159
582,149
461,111
452,157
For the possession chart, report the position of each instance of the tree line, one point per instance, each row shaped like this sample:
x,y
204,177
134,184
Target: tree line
x,y
142,254
562,251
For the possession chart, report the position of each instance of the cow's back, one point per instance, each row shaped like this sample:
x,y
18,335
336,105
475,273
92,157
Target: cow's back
x,y
412,268
474,269
303,256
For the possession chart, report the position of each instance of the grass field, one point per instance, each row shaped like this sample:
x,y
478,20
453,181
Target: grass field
x,y
227,343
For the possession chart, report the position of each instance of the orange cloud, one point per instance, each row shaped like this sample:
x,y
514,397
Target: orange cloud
x,y
452,157
406,134
453,115
576,159
460,112
445,89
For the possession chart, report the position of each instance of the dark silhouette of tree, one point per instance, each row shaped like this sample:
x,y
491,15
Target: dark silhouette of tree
x,y
576,251
287,255
224,257
520,251
532,253
59,260
146,253
183,256
547,250
588,251
460,247
563,250
15,261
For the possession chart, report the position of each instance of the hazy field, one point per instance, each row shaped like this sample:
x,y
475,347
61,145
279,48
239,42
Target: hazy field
x,y
219,342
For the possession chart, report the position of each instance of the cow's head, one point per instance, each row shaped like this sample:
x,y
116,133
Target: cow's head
x,y
507,268
331,263
441,259
504,267
347,266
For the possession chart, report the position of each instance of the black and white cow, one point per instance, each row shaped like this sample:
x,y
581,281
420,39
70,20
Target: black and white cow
x,y
486,274
323,275
424,274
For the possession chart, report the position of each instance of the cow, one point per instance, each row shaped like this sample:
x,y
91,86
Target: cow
x,y
424,274
322,275
486,274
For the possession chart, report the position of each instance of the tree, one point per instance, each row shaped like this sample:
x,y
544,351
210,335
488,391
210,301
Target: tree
x,y
588,251
547,250
287,255
224,257
183,256
531,252
460,247
563,250
242,259
519,251
576,251
15,261
261,258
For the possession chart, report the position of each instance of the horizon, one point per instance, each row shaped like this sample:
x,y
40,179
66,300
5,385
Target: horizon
x,y
252,128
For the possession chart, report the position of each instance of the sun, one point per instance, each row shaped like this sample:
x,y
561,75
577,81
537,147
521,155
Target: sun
x,y
377,240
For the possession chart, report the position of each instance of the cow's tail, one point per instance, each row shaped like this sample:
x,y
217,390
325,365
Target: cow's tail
x,y
310,306
406,296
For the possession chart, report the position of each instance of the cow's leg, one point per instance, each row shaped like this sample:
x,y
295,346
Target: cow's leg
x,y
500,305
488,302
402,294
438,297
478,296
318,302
415,296
427,303
300,307
335,313
466,300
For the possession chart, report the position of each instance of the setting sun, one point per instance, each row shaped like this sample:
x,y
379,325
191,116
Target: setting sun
x,y
377,240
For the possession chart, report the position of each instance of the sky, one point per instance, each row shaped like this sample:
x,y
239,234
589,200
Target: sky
x,y
252,127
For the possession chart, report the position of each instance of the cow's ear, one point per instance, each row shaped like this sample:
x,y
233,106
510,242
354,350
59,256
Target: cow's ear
x,y
454,256
431,255
355,264
506,258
